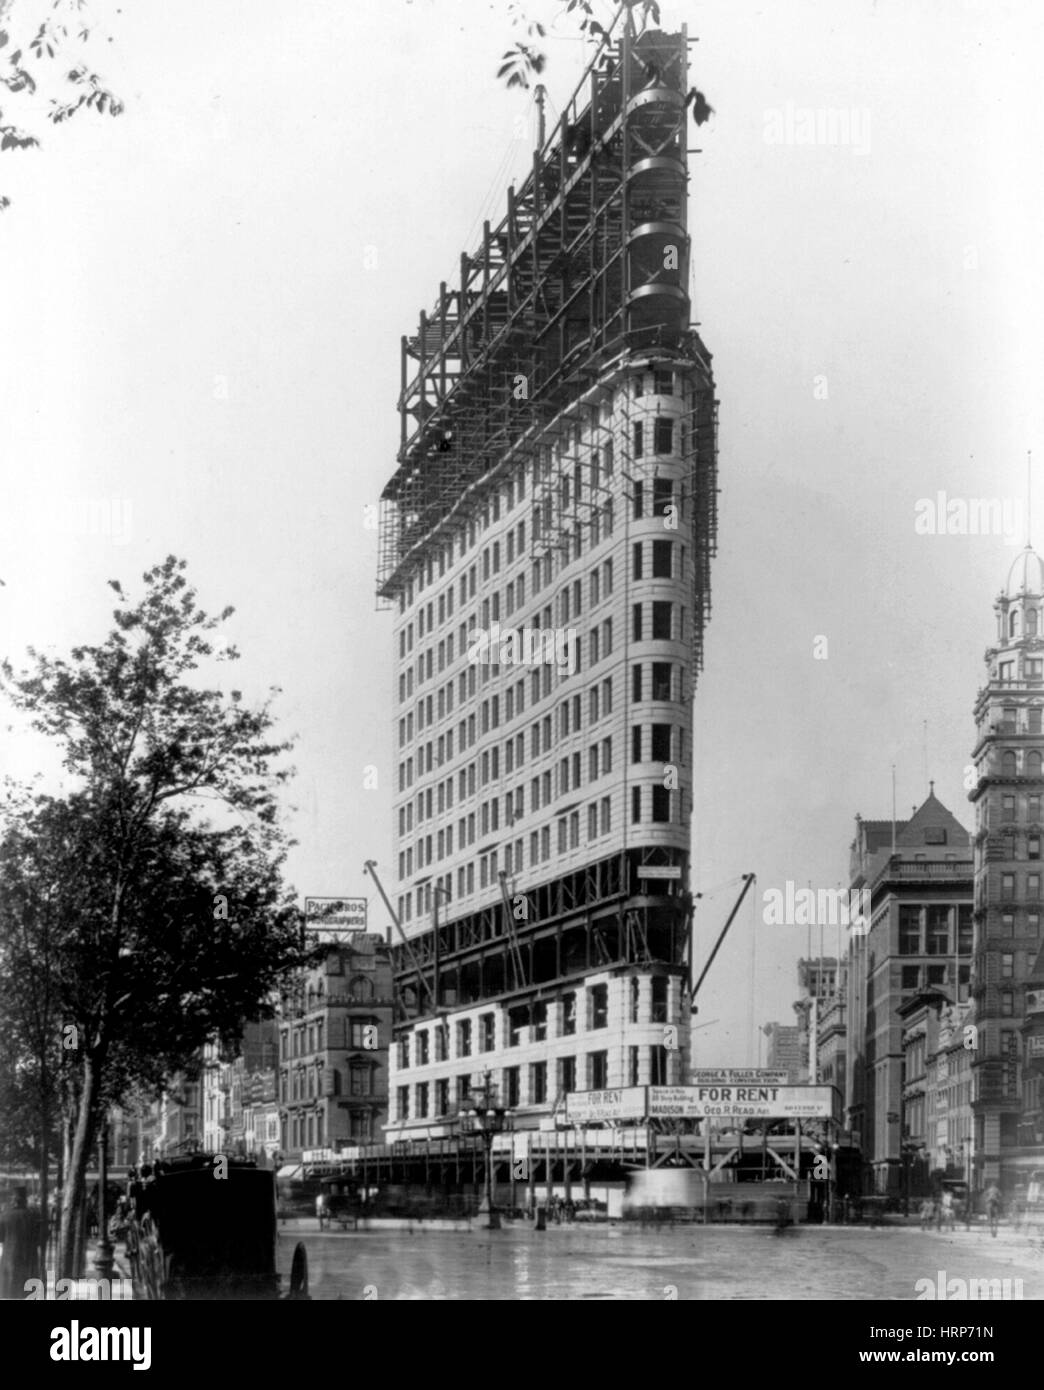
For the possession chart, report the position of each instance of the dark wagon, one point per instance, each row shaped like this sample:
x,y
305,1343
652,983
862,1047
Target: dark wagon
x,y
204,1227
341,1202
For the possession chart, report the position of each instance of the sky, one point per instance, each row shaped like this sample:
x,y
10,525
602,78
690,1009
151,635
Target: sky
x,y
202,302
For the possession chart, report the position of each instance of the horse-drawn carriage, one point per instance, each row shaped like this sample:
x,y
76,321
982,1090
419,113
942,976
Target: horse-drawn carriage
x,y
204,1227
340,1201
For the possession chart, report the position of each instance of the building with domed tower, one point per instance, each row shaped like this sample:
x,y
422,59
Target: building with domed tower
x,y
1009,879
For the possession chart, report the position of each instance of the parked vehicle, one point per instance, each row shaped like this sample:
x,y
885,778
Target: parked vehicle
x,y
204,1227
342,1202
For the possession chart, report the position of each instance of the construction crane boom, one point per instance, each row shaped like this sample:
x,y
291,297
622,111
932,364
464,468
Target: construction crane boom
x,y
748,879
370,867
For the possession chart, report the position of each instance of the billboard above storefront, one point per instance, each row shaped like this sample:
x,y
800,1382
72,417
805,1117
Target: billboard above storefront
x,y
334,921
747,1102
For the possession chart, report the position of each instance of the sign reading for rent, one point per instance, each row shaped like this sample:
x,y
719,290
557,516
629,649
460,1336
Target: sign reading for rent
x,y
741,1102
697,1102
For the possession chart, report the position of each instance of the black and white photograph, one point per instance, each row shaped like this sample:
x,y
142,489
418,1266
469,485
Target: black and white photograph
x,y
521,667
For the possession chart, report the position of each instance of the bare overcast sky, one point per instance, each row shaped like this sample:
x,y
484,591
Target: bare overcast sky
x,y
191,329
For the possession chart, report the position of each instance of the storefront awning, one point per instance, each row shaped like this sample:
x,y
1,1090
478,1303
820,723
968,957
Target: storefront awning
x,y
289,1170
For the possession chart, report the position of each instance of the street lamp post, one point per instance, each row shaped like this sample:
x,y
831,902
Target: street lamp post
x,y
489,1115
103,1260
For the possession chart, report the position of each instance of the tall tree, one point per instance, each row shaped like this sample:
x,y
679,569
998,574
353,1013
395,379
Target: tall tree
x,y
32,1066
175,928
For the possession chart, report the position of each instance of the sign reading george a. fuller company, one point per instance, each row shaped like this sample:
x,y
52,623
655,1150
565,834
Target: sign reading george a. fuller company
x,y
740,1076
334,921
749,1102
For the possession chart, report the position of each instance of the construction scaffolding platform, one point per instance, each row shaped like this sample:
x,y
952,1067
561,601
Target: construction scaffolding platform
x,y
581,283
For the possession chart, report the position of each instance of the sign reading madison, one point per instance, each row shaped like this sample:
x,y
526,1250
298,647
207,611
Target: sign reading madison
x,y
757,1102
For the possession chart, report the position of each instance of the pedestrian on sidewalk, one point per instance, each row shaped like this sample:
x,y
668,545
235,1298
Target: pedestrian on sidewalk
x,y
20,1233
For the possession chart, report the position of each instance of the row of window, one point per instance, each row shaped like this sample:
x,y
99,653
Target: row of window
x,y
655,804
432,1044
544,790
1031,623
308,1131
1027,763
657,621
449,1095
1010,888
1032,670
548,464
1010,722
1020,847
915,977
438,562
657,681
567,606
662,564
928,931
307,1082
1021,924
1011,806
438,705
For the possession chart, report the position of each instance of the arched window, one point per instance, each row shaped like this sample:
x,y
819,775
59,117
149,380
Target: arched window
x,y
1033,764
361,988
1031,622
1013,622
1008,764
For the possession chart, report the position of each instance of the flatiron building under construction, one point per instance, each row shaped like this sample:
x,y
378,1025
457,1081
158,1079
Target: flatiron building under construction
x,y
556,475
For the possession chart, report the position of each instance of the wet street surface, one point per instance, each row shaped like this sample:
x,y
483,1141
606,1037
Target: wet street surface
x,y
630,1262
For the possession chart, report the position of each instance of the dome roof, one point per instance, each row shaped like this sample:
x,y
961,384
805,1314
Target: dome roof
x,y
1026,574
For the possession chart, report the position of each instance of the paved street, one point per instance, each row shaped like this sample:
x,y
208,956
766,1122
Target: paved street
x,y
626,1262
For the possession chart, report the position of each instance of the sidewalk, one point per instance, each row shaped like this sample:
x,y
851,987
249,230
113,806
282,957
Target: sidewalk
x,y
90,1287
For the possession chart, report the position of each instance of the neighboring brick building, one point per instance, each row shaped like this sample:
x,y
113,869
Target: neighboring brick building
x,y
333,1050
1031,1128
818,980
786,1051
920,936
826,983
936,1124
230,1082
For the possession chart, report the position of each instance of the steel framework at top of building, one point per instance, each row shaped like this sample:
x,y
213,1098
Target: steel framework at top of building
x,y
588,268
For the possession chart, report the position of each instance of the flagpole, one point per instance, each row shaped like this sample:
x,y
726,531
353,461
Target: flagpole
x,y
893,808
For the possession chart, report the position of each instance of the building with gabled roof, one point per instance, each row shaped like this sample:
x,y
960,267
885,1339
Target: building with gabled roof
x,y
920,936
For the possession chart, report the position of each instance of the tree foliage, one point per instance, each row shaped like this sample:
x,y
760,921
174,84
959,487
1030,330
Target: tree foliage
x,y
172,927
526,58
40,58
